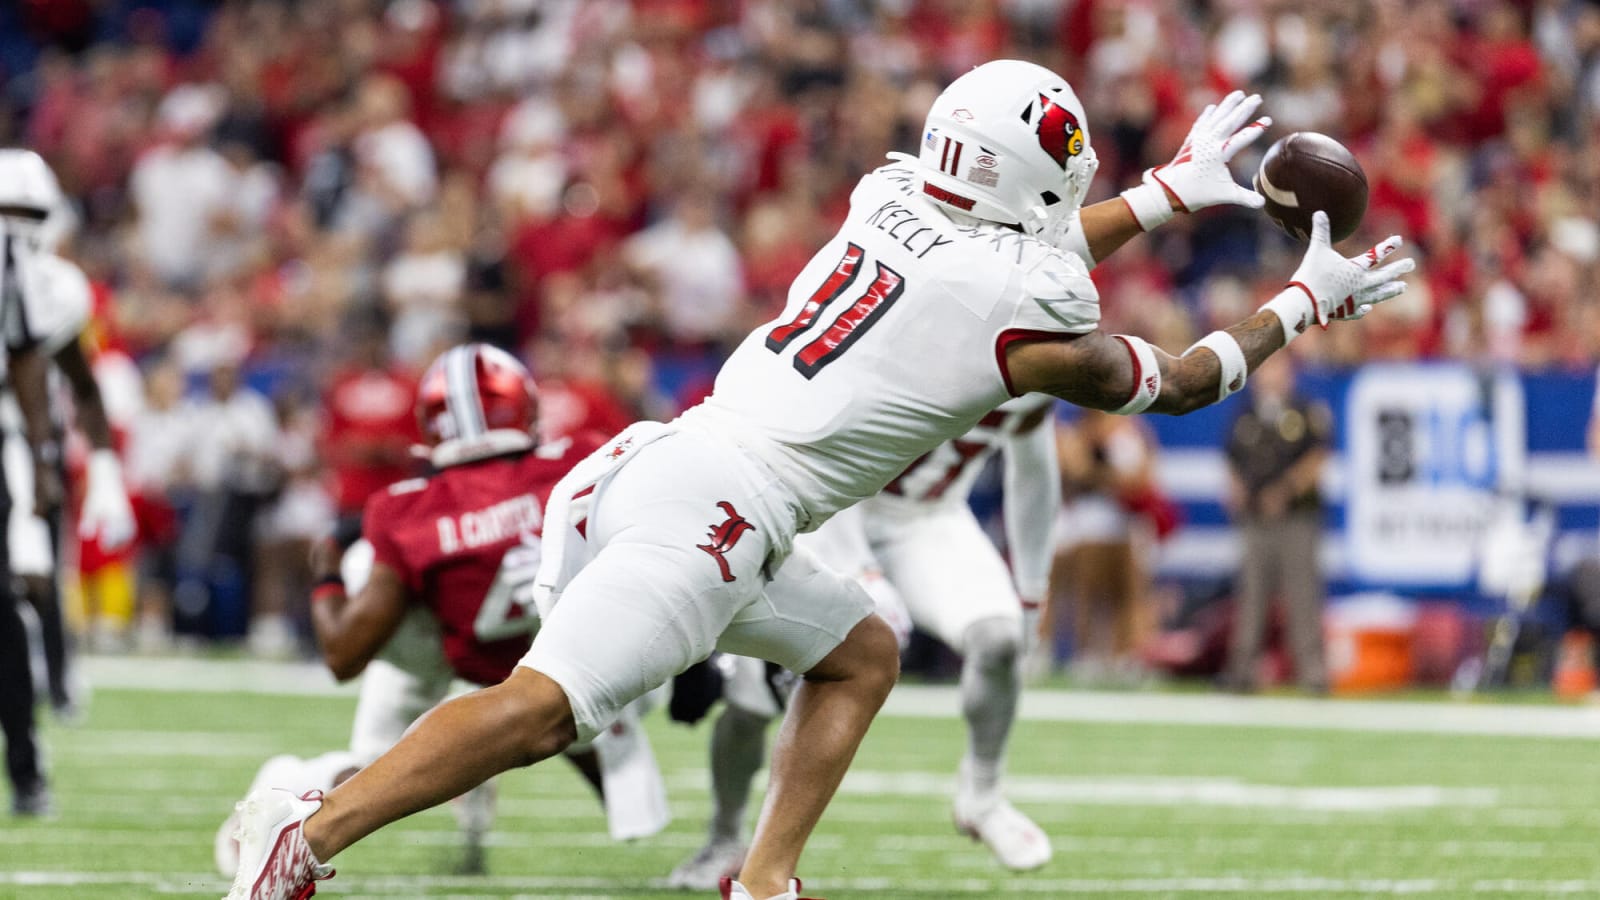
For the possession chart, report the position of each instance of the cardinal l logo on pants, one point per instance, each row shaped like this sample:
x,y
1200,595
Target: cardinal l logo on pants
x,y
723,537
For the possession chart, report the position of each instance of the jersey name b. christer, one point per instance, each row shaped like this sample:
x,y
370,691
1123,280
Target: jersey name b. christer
x,y
892,342
446,537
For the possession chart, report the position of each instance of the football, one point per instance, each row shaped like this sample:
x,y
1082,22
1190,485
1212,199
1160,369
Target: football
x,y
1305,172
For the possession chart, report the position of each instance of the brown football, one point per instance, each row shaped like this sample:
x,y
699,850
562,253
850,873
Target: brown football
x,y
1305,172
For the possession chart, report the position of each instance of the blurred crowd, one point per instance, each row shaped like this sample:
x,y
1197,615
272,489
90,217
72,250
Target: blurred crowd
x,y
289,207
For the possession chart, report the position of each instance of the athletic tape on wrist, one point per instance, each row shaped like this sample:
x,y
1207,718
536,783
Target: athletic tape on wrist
x,y
1146,376
1228,352
1295,309
1149,204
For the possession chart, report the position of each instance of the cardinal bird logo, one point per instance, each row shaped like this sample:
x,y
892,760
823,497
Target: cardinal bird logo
x,y
723,537
1060,134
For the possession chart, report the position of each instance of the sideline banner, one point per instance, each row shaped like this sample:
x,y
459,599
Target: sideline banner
x,y
1428,450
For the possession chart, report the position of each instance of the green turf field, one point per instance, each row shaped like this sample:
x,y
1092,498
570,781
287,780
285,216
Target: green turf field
x,y
1135,810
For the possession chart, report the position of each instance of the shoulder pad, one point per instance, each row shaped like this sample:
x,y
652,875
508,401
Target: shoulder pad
x,y
1060,285
58,300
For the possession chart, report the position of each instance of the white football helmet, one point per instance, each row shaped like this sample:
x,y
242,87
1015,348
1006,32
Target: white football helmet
x,y
1007,142
29,195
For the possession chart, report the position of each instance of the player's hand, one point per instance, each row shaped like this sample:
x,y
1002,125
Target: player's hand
x,y
325,557
1198,176
107,514
1348,288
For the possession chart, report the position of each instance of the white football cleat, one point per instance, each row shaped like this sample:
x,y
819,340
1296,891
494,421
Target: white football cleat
x,y
275,862
705,870
1014,839
225,846
733,890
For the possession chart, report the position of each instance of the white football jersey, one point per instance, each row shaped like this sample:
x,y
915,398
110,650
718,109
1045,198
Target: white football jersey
x,y
47,300
946,473
47,303
893,341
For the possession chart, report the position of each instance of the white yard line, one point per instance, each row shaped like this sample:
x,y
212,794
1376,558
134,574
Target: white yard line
x,y
947,846
393,886
1155,791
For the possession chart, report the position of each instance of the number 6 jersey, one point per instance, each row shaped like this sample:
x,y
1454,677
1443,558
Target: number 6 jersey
x,y
892,342
447,536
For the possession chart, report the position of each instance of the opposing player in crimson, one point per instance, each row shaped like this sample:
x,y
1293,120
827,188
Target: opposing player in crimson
x,y
439,589
955,283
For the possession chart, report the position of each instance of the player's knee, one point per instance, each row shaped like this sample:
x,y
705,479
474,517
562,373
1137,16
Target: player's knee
x,y
869,657
539,714
743,723
993,644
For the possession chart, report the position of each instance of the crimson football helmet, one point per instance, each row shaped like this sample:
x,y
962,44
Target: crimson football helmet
x,y
1007,142
474,402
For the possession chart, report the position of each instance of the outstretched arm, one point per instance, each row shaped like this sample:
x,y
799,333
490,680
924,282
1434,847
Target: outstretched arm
x,y
107,513
1032,495
28,370
1197,177
1124,374
91,410
351,630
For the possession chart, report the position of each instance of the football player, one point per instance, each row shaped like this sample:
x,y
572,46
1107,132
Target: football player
x,y
918,549
437,590
943,294
44,307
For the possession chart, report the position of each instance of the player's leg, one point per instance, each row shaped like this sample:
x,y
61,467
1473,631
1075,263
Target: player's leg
x,y
738,749
828,716
632,789
31,541
29,793
454,748
1301,578
1256,579
958,589
816,621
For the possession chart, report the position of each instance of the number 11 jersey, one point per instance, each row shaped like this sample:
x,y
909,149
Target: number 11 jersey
x,y
893,341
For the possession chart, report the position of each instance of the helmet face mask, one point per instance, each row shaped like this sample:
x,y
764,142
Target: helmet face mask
x,y
476,401
1007,142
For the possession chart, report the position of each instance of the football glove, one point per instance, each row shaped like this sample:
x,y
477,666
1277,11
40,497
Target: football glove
x,y
1198,175
106,512
1329,286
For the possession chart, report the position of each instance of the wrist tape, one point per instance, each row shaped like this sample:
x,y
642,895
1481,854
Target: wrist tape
x,y
1146,376
1149,202
1234,369
1295,309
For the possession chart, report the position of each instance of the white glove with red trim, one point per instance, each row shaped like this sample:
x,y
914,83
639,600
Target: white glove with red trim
x,y
106,512
1199,176
1329,286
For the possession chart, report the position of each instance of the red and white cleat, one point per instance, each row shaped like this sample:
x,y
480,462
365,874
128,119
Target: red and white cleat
x,y
275,862
733,890
1014,839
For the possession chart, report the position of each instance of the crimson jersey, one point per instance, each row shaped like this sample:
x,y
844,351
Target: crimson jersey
x,y
446,536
